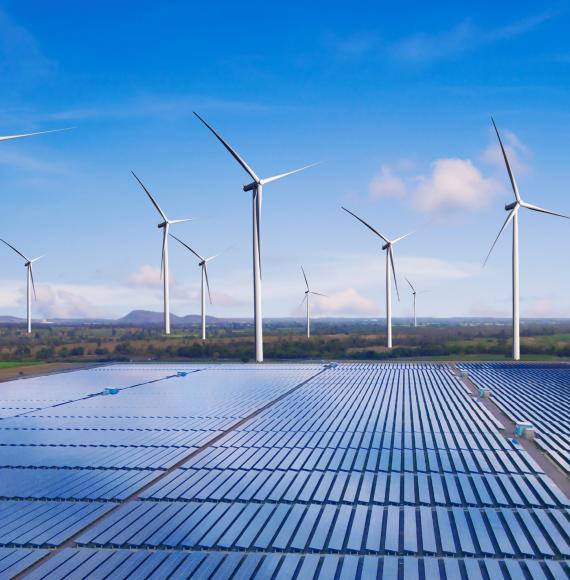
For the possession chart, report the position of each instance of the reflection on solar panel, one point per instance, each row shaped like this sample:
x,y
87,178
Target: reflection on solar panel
x,y
297,471
538,393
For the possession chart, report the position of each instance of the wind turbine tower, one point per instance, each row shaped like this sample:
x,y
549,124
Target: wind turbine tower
x,y
390,269
29,283
256,188
513,215
164,265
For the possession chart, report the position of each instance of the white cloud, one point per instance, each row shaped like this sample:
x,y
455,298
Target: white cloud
x,y
387,184
54,302
516,150
454,184
426,268
146,277
344,303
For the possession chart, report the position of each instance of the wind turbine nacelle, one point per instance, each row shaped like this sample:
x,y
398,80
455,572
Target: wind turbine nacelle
x,y
250,187
385,246
510,206
161,225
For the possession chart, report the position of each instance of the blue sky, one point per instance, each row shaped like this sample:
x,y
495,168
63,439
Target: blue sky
x,y
396,102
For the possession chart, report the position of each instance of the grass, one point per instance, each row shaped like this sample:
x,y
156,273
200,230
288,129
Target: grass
x,y
8,364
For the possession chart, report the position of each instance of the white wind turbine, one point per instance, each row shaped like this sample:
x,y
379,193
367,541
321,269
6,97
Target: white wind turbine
x,y
308,293
205,282
256,188
29,282
390,268
414,293
164,268
513,209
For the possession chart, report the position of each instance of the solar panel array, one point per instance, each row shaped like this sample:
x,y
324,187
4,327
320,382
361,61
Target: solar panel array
x,y
539,393
361,470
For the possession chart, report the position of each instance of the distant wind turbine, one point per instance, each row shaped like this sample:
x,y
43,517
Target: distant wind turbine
x,y
414,293
308,293
256,188
513,209
389,266
21,135
29,282
205,282
164,268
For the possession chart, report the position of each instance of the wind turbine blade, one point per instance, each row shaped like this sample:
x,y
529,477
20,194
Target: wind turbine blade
x,y
402,237
32,279
282,175
9,137
391,253
509,218
318,294
154,202
509,170
17,251
189,248
542,210
410,284
302,302
305,276
212,257
207,282
180,221
367,225
248,169
38,258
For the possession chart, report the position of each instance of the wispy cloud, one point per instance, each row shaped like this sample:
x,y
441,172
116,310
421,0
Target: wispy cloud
x,y
21,58
461,38
156,106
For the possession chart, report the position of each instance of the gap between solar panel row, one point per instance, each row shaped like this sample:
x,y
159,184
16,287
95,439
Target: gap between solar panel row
x,y
118,564
380,530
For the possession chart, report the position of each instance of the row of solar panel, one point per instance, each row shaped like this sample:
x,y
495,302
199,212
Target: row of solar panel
x,y
354,459
102,438
119,564
329,528
357,487
308,438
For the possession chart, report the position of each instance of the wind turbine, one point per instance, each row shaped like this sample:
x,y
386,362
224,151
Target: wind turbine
x,y
164,269
308,293
513,209
414,293
29,282
389,266
205,282
256,188
10,137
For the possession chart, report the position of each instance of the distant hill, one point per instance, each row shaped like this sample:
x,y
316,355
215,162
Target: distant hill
x,y
149,317
11,320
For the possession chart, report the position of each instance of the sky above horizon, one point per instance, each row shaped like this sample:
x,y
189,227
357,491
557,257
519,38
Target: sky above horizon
x,y
394,100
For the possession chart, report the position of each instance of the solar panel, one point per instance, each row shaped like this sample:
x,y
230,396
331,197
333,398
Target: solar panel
x,y
360,470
